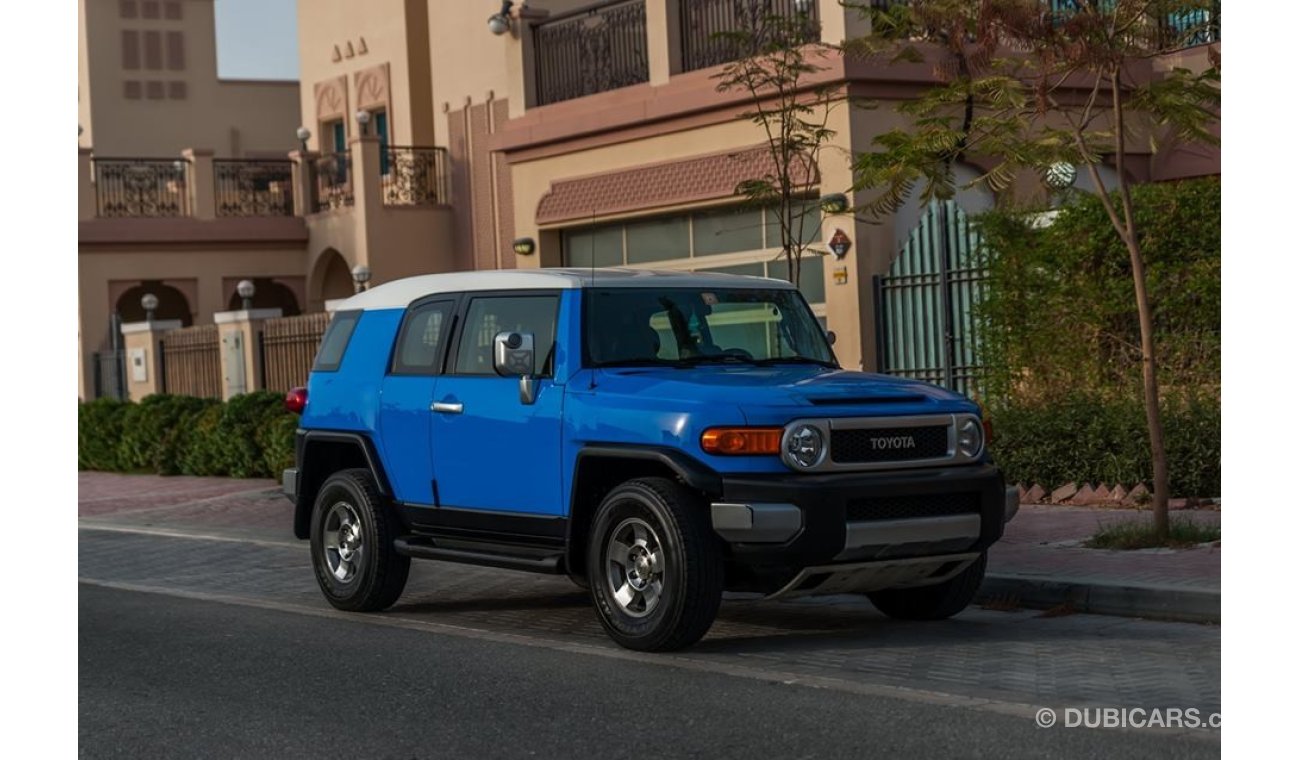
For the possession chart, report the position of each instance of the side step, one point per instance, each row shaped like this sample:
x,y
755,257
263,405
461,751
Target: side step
x,y
506,557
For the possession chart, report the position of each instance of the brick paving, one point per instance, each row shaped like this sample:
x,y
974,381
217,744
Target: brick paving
x,y
1040,541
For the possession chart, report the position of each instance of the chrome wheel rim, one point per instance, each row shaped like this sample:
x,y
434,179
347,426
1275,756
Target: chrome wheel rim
x,y
634,567
344,547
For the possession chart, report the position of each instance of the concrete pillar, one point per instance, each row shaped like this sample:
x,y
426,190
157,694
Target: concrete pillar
x,y
85,184
202,183
367,195
241,357
663,39
841,21
304,181
140,341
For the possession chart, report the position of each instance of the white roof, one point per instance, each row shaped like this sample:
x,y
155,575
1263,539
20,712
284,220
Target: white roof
x,y
399,294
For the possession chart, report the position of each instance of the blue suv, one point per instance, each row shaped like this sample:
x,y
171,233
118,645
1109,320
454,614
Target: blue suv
x,y
659,437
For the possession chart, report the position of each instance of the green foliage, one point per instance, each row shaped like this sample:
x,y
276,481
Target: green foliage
x,y
249,436
99,428
1087,439
1140,534
1057,318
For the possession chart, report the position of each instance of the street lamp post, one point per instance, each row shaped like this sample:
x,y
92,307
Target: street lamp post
x,y
150,302
363,121
304,135
360,276
246,289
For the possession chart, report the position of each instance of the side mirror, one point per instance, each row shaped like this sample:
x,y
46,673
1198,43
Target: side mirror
x,y
513,356
830,337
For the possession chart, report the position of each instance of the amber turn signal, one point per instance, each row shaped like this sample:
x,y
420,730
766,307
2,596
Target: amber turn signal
x,y
741,440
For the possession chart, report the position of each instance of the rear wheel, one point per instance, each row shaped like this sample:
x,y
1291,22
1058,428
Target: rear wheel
x,y
654,565
352,534
942,600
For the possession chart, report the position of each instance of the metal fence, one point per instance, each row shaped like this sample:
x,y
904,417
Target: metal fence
x,y
191,359
253,187
414,176
719,31
110,374
141,187
288,347
333,175
926,325
590,50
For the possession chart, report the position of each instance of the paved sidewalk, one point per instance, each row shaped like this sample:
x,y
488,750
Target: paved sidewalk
x,y
1038,563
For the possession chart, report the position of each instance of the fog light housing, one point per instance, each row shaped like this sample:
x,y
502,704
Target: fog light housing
x,y
803,447
970,437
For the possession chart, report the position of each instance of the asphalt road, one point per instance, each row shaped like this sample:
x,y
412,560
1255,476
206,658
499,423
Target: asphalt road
x,y
169,676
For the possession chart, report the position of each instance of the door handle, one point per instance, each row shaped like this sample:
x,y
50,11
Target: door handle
x,y
448,407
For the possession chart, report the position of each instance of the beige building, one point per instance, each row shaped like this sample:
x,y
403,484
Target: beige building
x,y
591,134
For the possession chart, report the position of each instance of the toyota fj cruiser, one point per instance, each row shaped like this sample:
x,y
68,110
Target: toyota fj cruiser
x,y
659,437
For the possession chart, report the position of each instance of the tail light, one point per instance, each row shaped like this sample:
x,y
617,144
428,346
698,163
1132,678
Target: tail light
x,y
296,400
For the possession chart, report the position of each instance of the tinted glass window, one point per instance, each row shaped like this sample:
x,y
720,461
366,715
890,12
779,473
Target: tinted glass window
x,y
728,231
335,341
805,223
811,271
604,243
658,240
422,338
490,315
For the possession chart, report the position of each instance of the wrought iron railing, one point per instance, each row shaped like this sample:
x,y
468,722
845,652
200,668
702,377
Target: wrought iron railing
x,y
720,31
251,187
414,176
191,361
1188,27
333,174
590,50
141,187
288,346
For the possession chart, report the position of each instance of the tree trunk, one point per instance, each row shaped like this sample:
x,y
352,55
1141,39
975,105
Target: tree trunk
x,y
1151,392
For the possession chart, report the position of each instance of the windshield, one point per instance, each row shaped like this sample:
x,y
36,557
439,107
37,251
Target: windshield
x,y
685,326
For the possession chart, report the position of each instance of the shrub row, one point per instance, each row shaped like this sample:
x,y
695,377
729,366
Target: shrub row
x,y
1090,439
249,436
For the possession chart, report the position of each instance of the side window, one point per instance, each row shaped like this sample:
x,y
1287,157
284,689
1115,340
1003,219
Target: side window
x,y
489,315
335,342
419,347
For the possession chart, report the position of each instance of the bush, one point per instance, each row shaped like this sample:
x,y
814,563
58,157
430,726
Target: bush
x,y
1095,440
249,436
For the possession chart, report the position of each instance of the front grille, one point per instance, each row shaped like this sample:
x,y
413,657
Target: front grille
x,y
903,507
867,445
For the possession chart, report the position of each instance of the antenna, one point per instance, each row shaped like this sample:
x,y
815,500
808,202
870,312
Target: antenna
x,y
592,285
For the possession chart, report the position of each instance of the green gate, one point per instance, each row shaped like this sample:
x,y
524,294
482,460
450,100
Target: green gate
x,y
925,322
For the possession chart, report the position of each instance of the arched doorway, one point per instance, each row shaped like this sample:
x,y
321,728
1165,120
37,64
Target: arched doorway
x,y
331,278
268,294
172,303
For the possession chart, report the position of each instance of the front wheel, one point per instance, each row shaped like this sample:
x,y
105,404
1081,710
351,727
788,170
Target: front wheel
x,y
654,565
352,534
942,600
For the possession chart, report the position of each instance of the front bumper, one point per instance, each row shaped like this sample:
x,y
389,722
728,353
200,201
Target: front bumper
x,y
795,520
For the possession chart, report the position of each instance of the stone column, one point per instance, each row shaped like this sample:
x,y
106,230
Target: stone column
x,y
241,357
840,22
663,39
304,181
367,196
85,184
140,342
202,187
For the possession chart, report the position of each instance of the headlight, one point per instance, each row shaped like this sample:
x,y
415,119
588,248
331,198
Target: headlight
x,y
803,447
970,437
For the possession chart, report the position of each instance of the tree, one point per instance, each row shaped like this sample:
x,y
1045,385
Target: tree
x,y
1026,85
775,65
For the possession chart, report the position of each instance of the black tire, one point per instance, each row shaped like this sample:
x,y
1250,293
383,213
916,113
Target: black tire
x,y
689,579
942,600
377,573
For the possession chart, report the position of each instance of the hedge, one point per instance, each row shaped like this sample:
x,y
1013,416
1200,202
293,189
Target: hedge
x,y
249,436
1084,439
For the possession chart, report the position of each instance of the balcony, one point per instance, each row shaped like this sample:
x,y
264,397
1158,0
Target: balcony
x,y
714,32
590,50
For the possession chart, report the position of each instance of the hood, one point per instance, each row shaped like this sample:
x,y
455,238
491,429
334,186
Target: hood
x,y
784,391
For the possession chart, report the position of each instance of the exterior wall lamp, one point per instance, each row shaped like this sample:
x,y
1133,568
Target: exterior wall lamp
x,y
246,289
525,246
1060,175
802,6
360,276
304,135
834,203
150,302
363,120
499,23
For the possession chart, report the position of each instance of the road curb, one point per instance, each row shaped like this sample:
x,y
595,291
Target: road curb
x,y
1158,602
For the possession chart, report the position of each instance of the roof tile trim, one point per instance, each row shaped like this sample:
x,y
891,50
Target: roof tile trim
x,y
692,180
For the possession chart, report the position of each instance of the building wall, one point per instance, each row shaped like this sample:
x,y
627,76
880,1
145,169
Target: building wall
x,y
148,85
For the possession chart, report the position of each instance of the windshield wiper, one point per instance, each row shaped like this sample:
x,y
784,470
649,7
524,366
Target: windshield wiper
x,y
795,360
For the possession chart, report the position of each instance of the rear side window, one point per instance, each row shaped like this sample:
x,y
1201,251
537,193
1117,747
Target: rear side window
x,y
419,349
494,314
335,342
